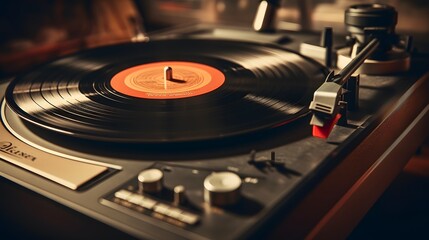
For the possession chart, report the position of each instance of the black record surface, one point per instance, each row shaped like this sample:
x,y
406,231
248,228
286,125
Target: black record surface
x,y
265,86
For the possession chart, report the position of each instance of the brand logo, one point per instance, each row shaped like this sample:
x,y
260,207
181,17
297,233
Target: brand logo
x,y
9,148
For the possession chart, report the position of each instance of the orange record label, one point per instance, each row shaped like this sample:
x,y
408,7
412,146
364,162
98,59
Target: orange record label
x,y
154,81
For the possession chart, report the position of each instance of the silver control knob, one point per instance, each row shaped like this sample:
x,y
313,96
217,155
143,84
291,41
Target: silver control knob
x,y
222,188
179,196
150,180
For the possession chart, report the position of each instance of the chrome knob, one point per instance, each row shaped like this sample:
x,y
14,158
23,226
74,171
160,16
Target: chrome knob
x,y
179,195
150,180
222,188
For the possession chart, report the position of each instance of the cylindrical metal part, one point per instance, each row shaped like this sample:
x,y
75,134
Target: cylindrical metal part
x,y
265,16
168,73
179,196
326,41
150,180
222,188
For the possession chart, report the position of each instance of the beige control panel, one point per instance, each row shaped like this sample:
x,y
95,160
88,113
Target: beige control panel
x,y
67,172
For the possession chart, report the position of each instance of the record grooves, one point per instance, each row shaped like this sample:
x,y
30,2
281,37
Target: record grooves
x,y
264,86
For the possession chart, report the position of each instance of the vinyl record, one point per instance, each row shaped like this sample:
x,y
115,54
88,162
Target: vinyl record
x,y
167,91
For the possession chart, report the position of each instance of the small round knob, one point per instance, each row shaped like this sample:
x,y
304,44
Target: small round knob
x,y
150,180
222,188
179,196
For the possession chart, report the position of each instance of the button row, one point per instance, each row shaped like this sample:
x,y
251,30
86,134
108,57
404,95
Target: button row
x,y
157,207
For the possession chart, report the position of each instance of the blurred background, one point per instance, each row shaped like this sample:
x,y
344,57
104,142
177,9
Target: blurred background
x,y
32,32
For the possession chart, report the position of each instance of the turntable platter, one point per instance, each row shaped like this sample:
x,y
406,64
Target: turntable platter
x,y
167,91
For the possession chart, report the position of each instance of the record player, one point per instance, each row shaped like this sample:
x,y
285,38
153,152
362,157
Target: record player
x,y
208,132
